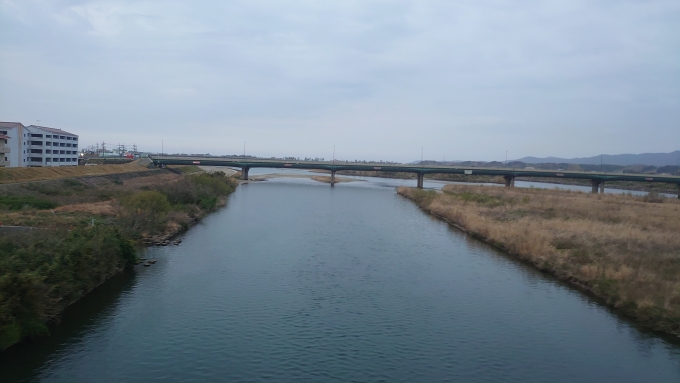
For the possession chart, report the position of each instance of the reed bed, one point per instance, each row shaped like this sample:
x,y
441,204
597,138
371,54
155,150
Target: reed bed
x,y
624,249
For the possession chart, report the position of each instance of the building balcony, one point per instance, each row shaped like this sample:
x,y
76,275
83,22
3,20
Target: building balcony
x,y
4,163
4,150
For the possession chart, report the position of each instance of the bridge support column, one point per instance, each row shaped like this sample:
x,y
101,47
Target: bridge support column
x,y
332,178
596,184
509,181
602,187
678,191
244,173
421,178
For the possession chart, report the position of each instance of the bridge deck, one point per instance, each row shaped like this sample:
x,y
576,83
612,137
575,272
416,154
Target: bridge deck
x,y
418,169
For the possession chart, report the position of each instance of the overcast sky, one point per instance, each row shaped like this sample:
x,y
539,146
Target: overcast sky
x,y
378,79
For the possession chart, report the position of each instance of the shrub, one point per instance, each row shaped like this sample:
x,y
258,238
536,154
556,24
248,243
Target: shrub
x,y
19,202
44,271
144,211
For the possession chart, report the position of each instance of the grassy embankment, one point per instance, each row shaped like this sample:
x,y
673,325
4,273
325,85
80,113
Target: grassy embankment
x,y
85,231
623,249
13,175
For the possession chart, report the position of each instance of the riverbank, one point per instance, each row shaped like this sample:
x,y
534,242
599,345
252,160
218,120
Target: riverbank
x,y
85,230
623,249
650,187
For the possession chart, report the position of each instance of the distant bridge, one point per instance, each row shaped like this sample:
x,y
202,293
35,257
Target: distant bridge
x,y
597,179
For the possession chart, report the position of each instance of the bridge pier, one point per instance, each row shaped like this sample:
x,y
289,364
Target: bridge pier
x,y
509,181
597,184
244,173
332,178
678,191
421,178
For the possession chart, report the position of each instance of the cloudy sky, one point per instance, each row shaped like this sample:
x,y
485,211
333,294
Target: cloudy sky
x,y
377,79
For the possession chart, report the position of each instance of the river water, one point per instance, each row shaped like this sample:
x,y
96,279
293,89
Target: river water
x,y
295,281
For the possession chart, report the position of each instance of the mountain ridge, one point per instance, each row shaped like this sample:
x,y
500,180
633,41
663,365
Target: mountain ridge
x,y
653,159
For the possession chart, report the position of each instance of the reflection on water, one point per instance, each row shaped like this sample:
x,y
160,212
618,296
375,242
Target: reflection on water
x,y
297,281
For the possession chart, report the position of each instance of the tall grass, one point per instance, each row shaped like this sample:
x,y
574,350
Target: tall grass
x,y
624,249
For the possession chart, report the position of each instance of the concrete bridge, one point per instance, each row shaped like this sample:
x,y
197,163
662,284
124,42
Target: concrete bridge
x,y
597,179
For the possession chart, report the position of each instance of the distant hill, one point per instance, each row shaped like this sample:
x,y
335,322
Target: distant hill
x,y
653,159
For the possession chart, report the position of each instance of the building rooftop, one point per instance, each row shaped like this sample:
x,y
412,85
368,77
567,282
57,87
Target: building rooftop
x,y
52,130
10,124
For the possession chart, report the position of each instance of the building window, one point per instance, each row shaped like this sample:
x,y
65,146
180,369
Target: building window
x,y
36,135
62,159
48,160
36,150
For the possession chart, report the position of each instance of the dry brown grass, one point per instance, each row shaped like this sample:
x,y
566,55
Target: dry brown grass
x,y
106,208
12,175
624,249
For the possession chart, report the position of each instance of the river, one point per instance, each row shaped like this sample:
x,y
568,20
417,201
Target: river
x,y
294,281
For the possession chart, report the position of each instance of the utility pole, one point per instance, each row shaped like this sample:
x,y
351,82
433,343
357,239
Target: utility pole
x,y
421,155
162,147
600,162
333,154
506,158
244,150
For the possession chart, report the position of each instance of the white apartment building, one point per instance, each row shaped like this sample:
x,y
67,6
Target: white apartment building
x,y
39,145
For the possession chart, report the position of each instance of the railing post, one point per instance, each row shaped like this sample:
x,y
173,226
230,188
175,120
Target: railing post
x,y
332,178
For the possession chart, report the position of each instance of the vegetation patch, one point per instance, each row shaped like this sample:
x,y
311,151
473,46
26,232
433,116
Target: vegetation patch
x,y
15,202
44,271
